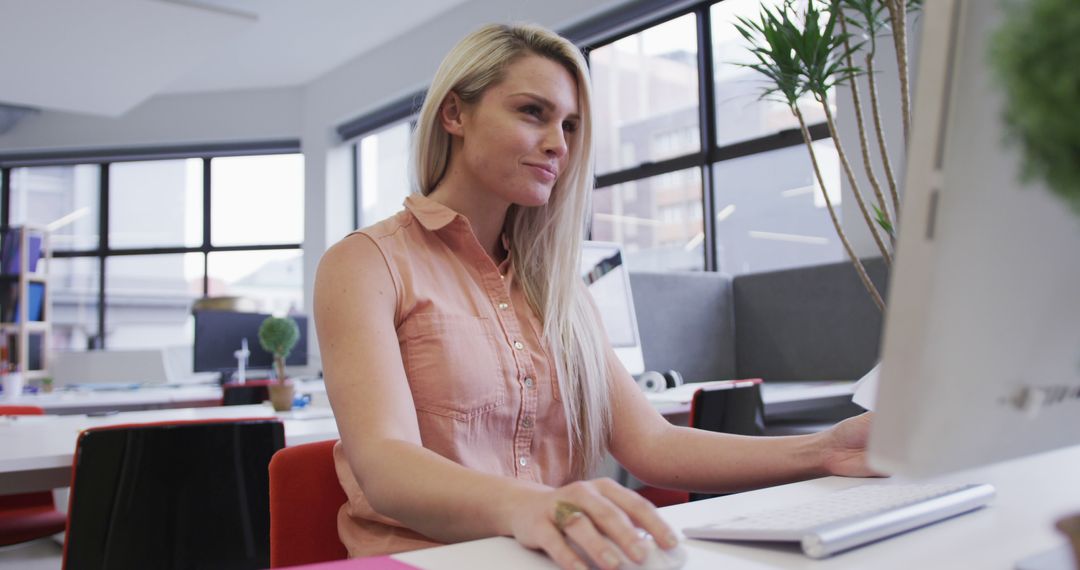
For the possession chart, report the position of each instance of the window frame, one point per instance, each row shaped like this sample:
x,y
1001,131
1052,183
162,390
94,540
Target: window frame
x,y
104,159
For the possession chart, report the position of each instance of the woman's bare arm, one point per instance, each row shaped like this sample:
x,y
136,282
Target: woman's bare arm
x,y
668,456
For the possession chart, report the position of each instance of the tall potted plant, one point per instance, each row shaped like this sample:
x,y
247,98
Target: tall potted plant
x,y
811,53
278,336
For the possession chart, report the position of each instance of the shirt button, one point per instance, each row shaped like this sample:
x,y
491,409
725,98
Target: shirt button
x,y
501,276
518,345
528,382
527,422
523,462
503,306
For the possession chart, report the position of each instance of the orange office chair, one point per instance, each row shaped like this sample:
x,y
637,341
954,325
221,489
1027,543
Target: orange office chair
x,y
28,516
305,496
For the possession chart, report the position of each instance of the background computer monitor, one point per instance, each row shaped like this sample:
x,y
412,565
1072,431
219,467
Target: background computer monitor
x,y
608,280
981,350
218,335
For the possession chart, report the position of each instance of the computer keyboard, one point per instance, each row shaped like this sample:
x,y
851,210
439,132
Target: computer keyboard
x,y
846,519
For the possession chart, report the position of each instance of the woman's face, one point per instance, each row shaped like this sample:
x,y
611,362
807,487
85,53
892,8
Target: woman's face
x,y
516,140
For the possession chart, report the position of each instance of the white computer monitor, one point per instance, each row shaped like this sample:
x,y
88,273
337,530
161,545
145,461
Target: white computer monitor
x,y
608,280
981,350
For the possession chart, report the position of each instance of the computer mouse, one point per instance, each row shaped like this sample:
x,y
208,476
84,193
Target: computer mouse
x,y
657,558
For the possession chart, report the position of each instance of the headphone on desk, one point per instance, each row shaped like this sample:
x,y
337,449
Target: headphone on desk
x,y
652,381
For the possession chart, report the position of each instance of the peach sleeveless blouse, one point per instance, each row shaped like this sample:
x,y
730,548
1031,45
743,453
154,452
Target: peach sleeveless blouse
x,y
483,380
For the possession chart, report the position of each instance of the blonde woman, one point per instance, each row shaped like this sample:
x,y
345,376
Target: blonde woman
x,y
472,382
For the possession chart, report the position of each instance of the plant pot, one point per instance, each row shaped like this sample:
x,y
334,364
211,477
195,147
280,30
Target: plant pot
x,y
281,396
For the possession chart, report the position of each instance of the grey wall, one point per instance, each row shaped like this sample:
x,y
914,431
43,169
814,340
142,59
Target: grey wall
x,y
686,323
815,323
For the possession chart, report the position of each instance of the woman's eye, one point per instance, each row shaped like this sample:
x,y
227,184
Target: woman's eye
x,y
532,110
569,126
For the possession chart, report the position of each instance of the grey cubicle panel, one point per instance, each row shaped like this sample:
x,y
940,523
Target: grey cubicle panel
x,y
686,323
811,323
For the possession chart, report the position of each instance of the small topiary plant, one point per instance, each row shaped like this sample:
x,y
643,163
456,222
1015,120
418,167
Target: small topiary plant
x,y
278,336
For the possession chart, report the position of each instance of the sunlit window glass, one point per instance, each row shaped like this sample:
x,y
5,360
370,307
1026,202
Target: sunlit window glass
x,y
62,198
383,172
272,279
658,221
741,114
257,199
74,293
645,96
173,186
149,299
771,211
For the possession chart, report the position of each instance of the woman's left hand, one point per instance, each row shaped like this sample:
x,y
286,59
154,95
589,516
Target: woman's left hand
x,y
845,447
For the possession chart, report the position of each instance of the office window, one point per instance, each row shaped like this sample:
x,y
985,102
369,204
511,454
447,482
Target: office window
x,y
148,299
75,301
650,162
257,200
173,186
272,278
764,223
382,160
156,264
645,95
740,112
662,229
63,197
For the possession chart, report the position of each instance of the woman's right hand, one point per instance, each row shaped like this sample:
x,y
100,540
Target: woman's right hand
x,y
611,517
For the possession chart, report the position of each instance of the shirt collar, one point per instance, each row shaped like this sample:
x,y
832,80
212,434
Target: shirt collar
x,y
435,216
431,214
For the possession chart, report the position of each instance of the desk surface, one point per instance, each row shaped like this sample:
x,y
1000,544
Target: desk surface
x,y
1032,493
778,397
89,399
36,451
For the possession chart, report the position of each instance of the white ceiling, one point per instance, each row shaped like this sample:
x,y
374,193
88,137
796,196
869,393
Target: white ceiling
x,y
104,57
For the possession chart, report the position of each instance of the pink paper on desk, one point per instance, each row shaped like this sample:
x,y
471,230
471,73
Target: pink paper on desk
x,y
373,563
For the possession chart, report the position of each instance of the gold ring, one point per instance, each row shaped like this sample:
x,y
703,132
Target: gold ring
x,y
566,513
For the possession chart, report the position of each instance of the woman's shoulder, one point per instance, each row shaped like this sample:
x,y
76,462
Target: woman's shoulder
x,y
388,227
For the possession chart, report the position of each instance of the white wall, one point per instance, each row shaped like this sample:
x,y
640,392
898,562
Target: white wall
x,y
235,116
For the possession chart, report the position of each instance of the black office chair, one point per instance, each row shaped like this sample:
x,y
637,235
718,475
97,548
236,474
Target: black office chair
x,y
739,411
250,392
175,495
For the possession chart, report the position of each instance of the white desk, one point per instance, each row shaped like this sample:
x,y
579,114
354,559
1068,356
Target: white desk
x,y
87,400
36,451
778,397
1032,493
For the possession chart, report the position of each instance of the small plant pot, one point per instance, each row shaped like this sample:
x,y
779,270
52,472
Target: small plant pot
x,y
281,396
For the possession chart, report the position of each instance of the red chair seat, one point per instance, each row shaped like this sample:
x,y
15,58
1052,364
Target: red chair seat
x,y
30,523
28,516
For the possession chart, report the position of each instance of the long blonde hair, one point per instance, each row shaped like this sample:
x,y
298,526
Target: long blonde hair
x,y
545,241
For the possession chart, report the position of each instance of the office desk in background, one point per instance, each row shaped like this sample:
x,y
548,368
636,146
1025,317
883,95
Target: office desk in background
x,y
36,452
91,398
778,397
1031,494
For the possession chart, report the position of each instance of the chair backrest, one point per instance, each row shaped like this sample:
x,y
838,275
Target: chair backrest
x,y
250,392
305,497
35,499
172,495
729,410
